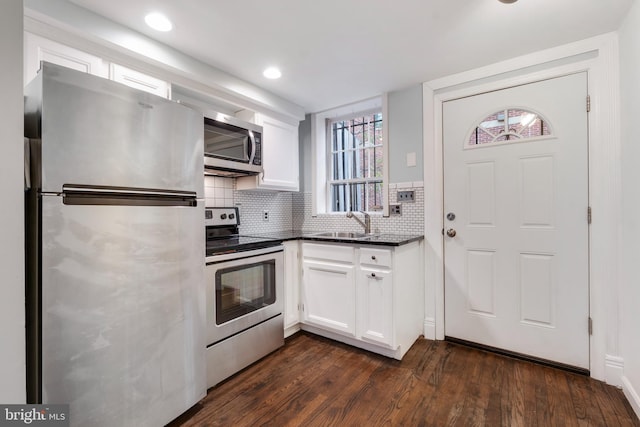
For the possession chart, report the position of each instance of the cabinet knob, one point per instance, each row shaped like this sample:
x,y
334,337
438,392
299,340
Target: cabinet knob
x,y
373,257
373,275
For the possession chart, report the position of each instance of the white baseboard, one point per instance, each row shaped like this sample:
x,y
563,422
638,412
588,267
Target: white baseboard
x,y
430,328
613,370
396,353
632,395
291,330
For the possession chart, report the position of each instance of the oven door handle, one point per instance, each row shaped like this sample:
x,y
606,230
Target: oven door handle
x,y
214,259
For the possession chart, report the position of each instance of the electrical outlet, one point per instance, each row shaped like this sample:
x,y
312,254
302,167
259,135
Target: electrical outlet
x,y
406,196
265,216
395,209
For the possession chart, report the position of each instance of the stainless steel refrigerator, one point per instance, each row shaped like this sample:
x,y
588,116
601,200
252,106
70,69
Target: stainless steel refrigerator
x,y
115,231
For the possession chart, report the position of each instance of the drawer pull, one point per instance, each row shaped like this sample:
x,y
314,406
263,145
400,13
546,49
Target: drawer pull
x,y
373,257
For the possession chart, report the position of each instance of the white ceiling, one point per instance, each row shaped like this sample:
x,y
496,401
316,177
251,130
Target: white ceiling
x,y
332,52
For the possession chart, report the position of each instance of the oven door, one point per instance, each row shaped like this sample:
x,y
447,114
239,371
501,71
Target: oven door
x,y
243,291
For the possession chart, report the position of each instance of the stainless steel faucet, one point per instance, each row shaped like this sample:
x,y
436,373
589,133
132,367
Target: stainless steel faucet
x,y
367,220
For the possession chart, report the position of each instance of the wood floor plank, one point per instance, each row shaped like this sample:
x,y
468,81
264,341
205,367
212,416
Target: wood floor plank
x,y
614,405
561,409
313,381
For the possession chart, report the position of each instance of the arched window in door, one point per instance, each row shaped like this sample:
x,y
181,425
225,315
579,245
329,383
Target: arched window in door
x,y
508,125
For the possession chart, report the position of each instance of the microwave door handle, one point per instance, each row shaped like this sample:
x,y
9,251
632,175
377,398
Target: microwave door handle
x,y
252,138
253,152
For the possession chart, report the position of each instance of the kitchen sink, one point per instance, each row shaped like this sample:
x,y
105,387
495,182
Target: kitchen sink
x,y
343,235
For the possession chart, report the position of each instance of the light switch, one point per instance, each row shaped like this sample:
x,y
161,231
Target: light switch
x,y
411,159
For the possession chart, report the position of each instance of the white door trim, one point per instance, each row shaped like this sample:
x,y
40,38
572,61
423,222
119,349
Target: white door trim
x,y
599,57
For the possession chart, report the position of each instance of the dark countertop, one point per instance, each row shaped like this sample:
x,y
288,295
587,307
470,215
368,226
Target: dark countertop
x,y
384,239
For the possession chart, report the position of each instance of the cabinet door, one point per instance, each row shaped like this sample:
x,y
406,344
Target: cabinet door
x,y
38,49
329,296
291,284
138,80
375,306
279,157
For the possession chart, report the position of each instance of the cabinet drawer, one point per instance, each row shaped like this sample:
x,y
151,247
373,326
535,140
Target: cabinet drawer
x,y
375,257
340,253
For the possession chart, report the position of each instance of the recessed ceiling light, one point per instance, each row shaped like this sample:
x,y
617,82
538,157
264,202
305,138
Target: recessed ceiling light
x,y
272,73
158,21
507,1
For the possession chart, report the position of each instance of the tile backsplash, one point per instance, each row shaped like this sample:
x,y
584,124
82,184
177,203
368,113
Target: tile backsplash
x,y
292,211
410,222
218,191
252,206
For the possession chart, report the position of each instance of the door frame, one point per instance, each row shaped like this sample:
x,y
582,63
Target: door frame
x,y
598,56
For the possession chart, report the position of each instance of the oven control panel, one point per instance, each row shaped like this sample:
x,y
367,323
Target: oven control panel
x,y
221,216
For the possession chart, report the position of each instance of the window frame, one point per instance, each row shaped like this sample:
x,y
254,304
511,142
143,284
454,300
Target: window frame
x,y
321,158
330,181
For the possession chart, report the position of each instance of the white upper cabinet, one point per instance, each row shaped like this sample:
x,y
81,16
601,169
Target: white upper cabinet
x,y
279,156
38,49
138,80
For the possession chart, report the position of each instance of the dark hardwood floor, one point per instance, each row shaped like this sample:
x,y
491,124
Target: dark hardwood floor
x,y
313,381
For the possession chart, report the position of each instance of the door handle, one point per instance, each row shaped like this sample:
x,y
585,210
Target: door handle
x,y
451,232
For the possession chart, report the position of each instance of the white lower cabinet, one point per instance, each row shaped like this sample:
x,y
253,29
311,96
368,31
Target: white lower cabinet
x,y
368,297
329,288
375,306
329,296
291,287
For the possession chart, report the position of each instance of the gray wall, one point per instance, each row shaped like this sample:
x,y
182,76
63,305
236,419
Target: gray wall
x,y
630,239
405,134
12,355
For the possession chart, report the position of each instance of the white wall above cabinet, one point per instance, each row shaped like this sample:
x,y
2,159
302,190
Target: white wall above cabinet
x,y
279,155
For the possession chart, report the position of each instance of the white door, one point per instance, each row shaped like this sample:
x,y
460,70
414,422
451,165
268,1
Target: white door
x,y
516,197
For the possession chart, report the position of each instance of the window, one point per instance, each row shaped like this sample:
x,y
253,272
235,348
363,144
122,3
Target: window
x,y
512,124
349,152
356,162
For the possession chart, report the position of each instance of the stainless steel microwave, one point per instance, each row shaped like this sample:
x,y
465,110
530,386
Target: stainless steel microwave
x,y
232,147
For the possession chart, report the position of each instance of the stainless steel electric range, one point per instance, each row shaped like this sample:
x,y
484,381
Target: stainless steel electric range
x,y
244,295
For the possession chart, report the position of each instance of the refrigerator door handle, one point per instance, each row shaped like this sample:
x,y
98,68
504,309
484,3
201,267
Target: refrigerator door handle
x,y
74,194
27,165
